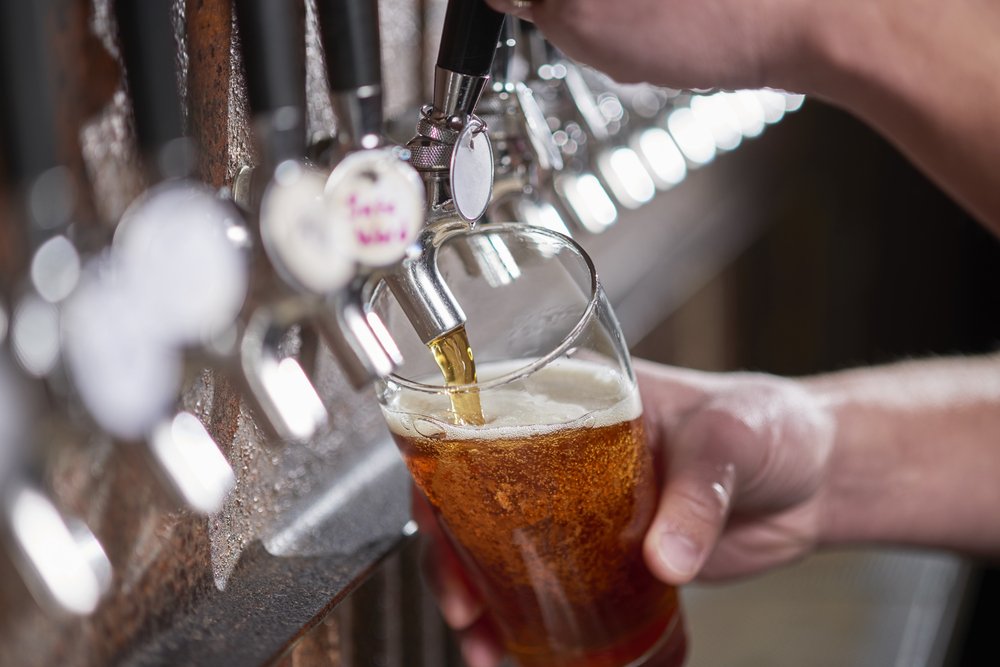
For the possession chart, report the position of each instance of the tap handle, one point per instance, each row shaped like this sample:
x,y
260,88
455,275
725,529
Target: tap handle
x,y
349,30
469,40
274,56
27,111
148,49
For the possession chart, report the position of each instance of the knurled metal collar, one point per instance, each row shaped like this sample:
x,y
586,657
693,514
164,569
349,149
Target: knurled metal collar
x,y
431,130
434,156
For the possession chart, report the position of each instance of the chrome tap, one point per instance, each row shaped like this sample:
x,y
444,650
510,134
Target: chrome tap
x,y
526,157
166,292
454,157
59,558
307,240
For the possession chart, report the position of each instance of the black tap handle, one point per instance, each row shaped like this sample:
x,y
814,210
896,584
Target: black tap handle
x,y
272,54
148,49
469,40
27,110
349,30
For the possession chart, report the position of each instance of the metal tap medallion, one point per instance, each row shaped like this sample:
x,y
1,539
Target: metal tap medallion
x,y
311,248
472,171
381,199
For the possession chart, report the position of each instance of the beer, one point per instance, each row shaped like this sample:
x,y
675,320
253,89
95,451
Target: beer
x,y
547,503
453,355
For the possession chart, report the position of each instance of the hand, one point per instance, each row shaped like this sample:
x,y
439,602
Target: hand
x,y
680,43
744,458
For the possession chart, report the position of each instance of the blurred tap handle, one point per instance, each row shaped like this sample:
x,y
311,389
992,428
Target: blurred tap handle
x,y
28,131
349,30
272,34
27,112
470,36
149,53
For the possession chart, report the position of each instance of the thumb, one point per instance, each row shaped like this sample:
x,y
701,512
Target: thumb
x,y
693,509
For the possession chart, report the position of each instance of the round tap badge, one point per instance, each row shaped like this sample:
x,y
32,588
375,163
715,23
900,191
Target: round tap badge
x,y
472,171
381,198
311,248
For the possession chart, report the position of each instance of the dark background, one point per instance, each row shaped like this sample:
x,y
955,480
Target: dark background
x,y
865,261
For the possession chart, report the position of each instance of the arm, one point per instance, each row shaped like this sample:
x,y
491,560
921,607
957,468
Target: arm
x,y
917,455
763,469
922,72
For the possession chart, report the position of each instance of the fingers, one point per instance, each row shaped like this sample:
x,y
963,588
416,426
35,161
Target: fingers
x,y
480,644
692,512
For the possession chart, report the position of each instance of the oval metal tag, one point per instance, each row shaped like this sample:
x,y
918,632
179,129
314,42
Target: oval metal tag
x,y
311,248
380,199
472,171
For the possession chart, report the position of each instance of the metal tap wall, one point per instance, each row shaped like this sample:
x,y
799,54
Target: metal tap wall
x,y
304,522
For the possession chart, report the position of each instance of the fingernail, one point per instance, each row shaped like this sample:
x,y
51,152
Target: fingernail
x,y
479,652
679,554
457,606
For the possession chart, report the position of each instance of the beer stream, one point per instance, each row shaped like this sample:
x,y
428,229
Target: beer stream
x,y
453,355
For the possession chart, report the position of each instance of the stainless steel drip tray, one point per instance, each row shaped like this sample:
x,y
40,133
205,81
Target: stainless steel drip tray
x,y
876,607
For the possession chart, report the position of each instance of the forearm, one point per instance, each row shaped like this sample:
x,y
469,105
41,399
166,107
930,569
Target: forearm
x,y
916,458
923,73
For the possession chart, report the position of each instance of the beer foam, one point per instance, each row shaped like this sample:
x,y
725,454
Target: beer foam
x,y
567,391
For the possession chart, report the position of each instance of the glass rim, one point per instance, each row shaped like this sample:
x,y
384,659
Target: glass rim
x,y
539,362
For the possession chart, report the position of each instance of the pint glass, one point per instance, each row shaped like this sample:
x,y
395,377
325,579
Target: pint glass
x,y
548,501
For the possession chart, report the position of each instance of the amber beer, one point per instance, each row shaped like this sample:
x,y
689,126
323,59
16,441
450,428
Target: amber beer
x,y
548,503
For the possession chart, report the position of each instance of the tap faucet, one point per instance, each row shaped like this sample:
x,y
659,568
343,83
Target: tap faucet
x,y
59,558
454,157
306,241
526,157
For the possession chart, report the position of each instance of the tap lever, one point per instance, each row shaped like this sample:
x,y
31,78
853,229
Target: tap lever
x,y
146,35
349,32
358,339
470,36
274,57
27,111
279,384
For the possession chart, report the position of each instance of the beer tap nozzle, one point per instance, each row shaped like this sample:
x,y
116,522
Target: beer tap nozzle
x,y
452,153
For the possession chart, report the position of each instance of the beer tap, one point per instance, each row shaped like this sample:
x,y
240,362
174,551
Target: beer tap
x,y
371,188
526,156
454,157
61,561
310,247
570,109
168,289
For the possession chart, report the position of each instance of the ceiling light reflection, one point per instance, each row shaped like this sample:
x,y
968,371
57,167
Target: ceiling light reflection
x,y
748,110
692,137
715,113
294,397
773,104
661,155
194,463
62,567
629,180
793,101
588,201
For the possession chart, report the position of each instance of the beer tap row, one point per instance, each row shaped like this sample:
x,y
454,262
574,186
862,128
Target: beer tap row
x,y
100,333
